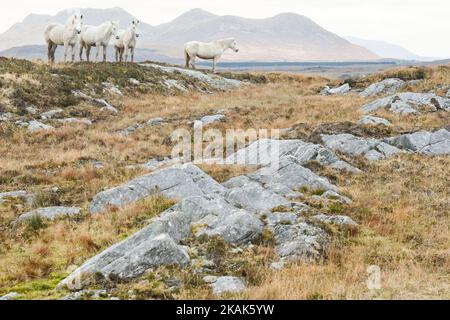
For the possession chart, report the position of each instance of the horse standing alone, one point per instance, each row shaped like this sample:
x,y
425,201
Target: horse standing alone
x,y
208,51
125,41
97,36
67,35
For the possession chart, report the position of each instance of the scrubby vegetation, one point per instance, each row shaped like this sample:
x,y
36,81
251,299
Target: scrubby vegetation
x,y
401,204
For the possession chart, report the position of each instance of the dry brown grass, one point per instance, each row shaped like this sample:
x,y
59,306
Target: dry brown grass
x,y
402,204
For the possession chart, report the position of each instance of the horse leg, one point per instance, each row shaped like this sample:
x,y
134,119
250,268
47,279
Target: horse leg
x,y
125,49
97,52
73,53
187,59
214,65
81,51
193,62
117,54
88,53
104,53
65,52
53,51
132,54
49,51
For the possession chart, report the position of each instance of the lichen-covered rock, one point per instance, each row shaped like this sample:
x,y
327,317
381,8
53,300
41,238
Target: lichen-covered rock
x,y
338,220
50,213
281,218
301,241
83,121
21,194
408,102
401,107
264,152
34,126
215,81
237,228
345,88
50,114
154,252
370,120
254,198
176,182
387,86
371,149
291,175
228,285
429,143
10,296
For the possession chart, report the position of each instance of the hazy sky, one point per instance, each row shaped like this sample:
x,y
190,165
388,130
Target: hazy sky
x,y
422,26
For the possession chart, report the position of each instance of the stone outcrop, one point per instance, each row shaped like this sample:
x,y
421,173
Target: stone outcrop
x,y
327,91
387,86
374,121
214,81
371,149
409,102
50,213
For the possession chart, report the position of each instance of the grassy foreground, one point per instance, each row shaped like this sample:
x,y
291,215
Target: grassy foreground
x,y
402,204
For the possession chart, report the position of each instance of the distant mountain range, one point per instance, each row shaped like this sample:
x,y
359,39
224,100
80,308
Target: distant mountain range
x,y
387,50
285,37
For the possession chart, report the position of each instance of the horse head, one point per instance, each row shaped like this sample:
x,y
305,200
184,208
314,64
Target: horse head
x,y
134,25
115,29
76,22
233,45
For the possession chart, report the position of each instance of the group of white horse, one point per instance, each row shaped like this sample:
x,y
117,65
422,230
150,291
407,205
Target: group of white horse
x,y
74,33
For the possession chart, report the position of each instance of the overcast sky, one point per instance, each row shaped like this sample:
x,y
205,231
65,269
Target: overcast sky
x,y
421,26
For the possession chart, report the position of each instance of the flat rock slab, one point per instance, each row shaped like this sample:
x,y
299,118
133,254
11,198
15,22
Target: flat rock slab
x,y
406,102
215,81
254,198
228,285
337,220
374,121
158,243
292,175
371,149
345,88
429,143
10,296
387,86
265,152
300,241
34,126
50,213
21,194
177,182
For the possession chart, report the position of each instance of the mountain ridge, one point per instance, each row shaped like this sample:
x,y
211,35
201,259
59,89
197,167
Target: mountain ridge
x,y
283,37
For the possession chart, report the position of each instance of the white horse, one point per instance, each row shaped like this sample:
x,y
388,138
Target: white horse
x,y
97,36
208,51
125,41
64,35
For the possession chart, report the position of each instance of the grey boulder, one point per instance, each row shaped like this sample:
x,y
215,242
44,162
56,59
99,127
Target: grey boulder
x,y
370,120
337,220
228,285
429,143
387,86
177,182
302,242
50,213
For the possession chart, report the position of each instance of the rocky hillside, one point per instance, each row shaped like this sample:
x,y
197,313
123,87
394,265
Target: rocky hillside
x,y
285,37
93,206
